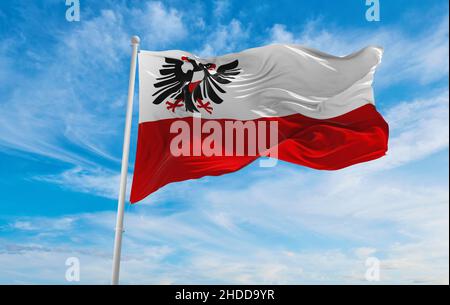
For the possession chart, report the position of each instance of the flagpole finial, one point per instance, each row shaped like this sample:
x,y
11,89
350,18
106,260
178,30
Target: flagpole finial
x,y
135,40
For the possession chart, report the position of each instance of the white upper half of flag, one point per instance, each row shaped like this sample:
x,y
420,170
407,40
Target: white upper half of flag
x,y
270,81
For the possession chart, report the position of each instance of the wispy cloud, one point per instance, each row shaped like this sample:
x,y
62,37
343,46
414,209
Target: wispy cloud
x,y
224,39
45,113
159,24
315,236
70,110
221,8
99,181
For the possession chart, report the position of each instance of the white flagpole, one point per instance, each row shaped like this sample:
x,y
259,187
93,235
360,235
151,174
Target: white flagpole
x,y
124,170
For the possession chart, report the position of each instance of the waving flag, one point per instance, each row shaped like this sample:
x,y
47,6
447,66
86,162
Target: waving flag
x,y
212,116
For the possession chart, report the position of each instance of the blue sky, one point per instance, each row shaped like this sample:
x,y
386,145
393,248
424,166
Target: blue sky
x,y
62,107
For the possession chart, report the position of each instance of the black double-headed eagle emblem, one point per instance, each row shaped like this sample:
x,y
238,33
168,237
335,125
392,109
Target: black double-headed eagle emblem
x,y
191,84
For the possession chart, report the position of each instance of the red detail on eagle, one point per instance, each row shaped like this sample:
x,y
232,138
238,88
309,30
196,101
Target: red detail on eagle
x,y
205,106
193,85
173,106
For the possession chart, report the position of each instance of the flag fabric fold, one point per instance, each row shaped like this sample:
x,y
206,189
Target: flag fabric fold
x,y
207,117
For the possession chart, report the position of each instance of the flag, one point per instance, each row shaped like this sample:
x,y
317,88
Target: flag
x,y
207,117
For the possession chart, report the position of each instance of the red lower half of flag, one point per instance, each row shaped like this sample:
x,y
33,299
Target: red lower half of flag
x,y
179,149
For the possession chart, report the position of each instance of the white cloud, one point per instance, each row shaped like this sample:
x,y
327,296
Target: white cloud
x,y
403,224
69,110
221,8
43,224
419,128
47,111
226,38
279,34
365,252
161,25
98,181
